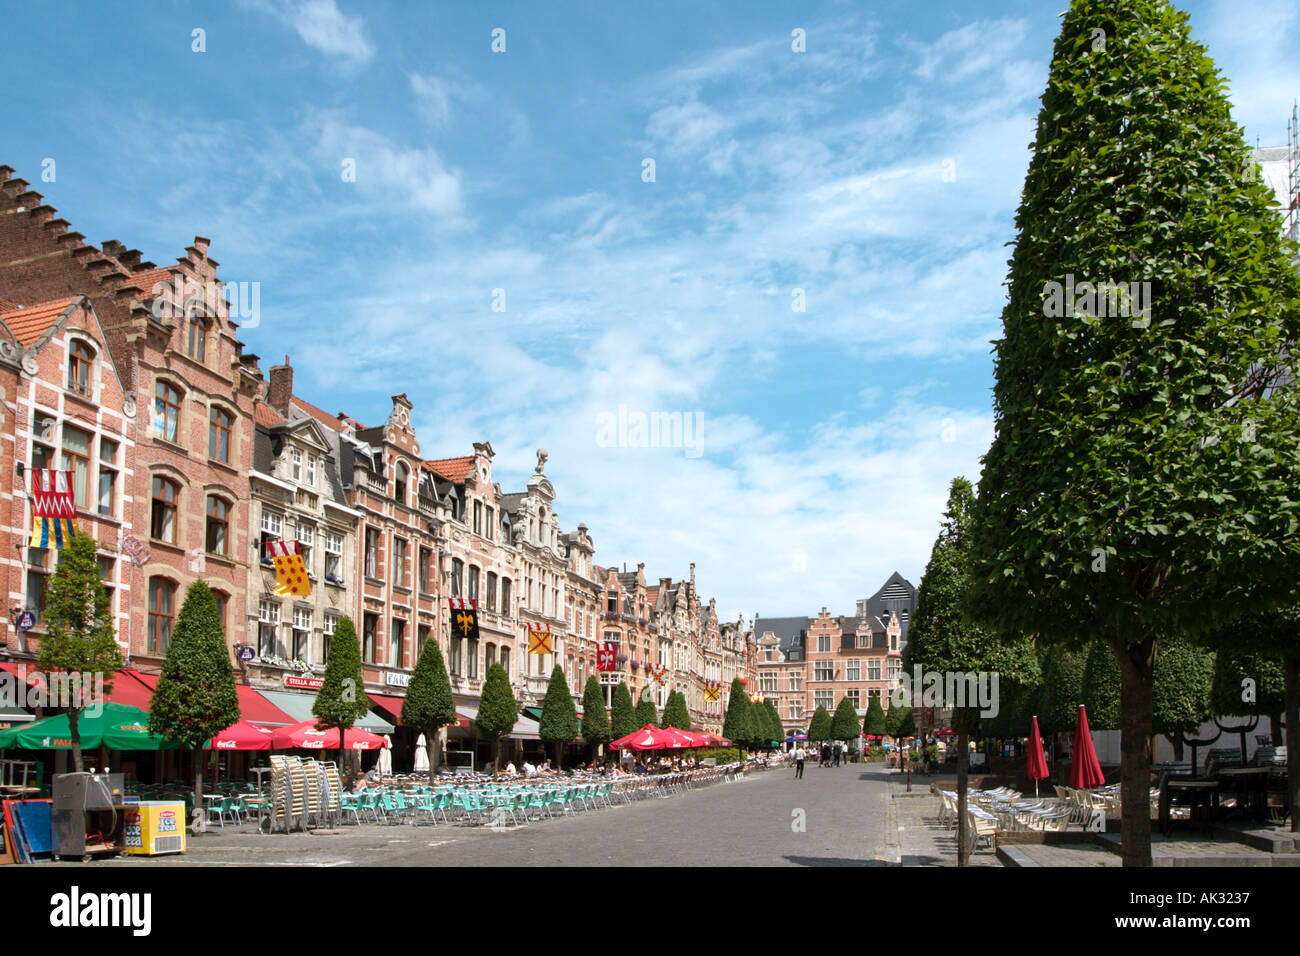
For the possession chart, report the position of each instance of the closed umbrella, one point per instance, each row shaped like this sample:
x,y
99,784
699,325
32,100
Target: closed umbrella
x,y
1037,768
385,763
422,755
1085,771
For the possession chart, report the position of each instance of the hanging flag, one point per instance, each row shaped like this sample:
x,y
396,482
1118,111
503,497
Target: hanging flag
x,y
711,691
607,657
54,513
290,573
464,620
658,672
539,641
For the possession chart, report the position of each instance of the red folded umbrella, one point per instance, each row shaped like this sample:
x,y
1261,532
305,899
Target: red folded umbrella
x,y
305,736
1085,770
1037,768
242,736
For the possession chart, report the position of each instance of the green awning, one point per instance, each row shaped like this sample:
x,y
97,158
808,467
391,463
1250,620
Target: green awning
x,y
116,727
298,706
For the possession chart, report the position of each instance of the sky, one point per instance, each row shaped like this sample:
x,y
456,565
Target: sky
x,y
810,278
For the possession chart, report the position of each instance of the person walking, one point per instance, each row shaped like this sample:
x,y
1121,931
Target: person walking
x,y
837,756
798,762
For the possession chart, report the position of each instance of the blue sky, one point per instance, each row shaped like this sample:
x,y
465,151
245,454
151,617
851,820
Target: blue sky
x,y
879,172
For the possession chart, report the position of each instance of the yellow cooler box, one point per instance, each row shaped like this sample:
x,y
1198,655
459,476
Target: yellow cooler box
x,y
155,827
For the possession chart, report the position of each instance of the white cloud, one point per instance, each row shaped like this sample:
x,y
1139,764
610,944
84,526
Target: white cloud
x,y
322,26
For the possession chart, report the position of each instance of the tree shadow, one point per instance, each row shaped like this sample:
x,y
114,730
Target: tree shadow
x,y
834,861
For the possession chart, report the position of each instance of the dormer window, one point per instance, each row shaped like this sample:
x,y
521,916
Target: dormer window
x,y
399,482
197,346
81,359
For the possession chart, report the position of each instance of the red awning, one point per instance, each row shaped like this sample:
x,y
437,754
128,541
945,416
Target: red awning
x,y
131,688
32,675
256,709
389,703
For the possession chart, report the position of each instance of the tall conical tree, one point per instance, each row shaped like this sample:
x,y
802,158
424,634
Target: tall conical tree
x,y
341,700
79,633
676,713
944,640
873,723
776,730
820,728
195,697
1141,480
737,722
844,725
646,711
429,705
559,723
595,719
497,711
622,713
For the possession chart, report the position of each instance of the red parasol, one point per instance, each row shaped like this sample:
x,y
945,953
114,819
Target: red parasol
x,y
1085,770
945,732
1037,769
305,736
242,736
651,737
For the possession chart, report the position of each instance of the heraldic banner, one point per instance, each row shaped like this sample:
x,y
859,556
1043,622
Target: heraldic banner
x,y
464,620
54,514
290,573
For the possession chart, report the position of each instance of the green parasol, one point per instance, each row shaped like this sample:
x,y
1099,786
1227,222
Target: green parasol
x,y
117,727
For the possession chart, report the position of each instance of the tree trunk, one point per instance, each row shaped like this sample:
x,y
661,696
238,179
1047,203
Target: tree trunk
x,y
77,763
1137,667
1291,666
1275,729
1177,741
198,778
963,768
432,749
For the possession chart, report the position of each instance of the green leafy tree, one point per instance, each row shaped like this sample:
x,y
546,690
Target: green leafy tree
x,y
1100,690
737,722
844,725
341,700
1062,689
1141,480
79,634
595,719
429,705
873,724
623,716
646,712
676,712
944,639
820,728
907,723
559,723
195,698
776,730
497,711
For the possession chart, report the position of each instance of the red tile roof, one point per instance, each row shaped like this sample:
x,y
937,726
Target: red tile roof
x,y
455,470
30,323
264,414
325,418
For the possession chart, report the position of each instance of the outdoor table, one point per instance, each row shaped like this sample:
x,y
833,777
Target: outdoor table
x,y
1251,782
1203,795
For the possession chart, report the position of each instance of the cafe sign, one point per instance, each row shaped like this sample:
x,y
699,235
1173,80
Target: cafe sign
x,y
311,683
395,679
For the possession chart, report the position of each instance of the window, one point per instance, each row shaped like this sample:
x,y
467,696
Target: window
x,y
421,638
268,626
488,530
302,634
162,599
198,342
399,562
505,660
401,478
852,697
478,517
218,538
824,670
824,643
295,459
453,657
796,710
457,573
81,359
106,578
219,424
369,637
893,642
895,666
107,477
331,621
167,412
223,602
505,595
864,640
333,557
372,552
37,579
853,670
824,698
873,670
767,683
76,459
473,583
162,519
397,637
426,559
307,541
271,530
311,470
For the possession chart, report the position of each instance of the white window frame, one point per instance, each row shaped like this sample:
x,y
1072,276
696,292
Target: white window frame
x,y
295,463
302,622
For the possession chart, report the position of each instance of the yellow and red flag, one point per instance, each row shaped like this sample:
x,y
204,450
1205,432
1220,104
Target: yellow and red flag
x,y
290,572
539,641
54,513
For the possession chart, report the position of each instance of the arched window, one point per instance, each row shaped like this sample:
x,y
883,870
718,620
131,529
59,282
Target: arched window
x,y
218,528
162,519
162,601
167,411
220,423
399,485
197,346
81,359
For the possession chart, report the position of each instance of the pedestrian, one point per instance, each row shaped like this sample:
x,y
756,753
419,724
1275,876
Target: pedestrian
x,y
837,756
798,761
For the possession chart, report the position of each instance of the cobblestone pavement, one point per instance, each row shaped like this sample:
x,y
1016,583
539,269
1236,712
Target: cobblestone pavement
x,y
919,838
832,817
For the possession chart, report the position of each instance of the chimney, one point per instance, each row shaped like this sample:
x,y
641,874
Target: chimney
x,y
281,387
